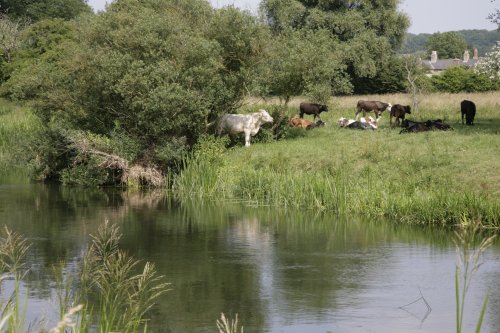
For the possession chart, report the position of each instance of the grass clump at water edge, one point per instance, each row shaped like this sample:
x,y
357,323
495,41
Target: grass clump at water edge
x,y
123,292
470,245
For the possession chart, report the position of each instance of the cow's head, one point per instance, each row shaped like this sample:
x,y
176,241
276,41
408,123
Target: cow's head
x,y
265,117
342,121
323,108
408,109
389,107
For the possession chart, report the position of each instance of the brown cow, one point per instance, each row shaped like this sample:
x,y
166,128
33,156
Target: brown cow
x,y
375,106
398,111
299,122
312,108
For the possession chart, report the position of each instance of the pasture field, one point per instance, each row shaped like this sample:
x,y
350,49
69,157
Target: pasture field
x,y
434,177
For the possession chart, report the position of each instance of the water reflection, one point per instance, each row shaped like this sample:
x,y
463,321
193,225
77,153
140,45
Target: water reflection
x,y
281,270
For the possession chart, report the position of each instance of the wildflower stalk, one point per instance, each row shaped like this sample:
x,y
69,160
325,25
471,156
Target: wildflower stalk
x,y
469,255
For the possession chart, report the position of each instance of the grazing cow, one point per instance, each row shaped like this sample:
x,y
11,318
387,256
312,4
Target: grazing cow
x,y
299,122
247,123
468,109
423,126
312,108
375,106
398,111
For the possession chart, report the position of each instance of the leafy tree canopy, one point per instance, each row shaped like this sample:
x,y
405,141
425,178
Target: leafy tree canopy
x,y
364,35
148,73
449,45
37,10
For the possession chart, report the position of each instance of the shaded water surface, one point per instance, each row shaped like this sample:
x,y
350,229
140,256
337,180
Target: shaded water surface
x,y
281,271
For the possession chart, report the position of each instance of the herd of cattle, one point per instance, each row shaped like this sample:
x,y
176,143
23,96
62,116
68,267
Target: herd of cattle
x,y
250,124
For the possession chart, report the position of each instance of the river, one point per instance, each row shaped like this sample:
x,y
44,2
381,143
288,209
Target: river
x,y
279,270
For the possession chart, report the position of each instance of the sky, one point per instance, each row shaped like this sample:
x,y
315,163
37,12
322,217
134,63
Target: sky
x,y
427,16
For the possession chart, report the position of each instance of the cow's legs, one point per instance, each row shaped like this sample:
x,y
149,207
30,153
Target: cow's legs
x,y
247,138
358,110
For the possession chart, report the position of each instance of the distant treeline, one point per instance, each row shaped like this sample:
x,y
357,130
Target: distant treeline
x,y
483,40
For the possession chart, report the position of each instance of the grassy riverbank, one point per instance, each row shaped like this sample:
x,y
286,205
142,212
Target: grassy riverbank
x,y
419,178
432,178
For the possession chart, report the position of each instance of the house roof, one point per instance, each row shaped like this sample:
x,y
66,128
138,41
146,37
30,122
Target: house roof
x,y
442,64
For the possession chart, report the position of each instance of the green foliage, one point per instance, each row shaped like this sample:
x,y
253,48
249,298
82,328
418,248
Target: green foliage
x,y
87,174
449,45
483,40
34,42
302,62
153,73
37,10
459,79
363,36
390,78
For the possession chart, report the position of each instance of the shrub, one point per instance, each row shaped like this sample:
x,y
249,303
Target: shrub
x,y
459,79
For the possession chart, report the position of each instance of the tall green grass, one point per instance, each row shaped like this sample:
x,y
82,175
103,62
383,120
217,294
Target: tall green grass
x,y
110,278
471,245
17,127
418,178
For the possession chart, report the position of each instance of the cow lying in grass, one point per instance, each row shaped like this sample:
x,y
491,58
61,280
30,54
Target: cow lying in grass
x,y
410,126
299,122
362,123
304,123
244,123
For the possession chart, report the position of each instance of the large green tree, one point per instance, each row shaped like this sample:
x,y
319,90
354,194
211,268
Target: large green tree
x,y
37,10
148,76
366,32
449,45
303,63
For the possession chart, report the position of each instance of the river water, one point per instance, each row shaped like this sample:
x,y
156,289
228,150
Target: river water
x,y
279,270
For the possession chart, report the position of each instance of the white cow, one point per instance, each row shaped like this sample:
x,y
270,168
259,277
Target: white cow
x,y
247,123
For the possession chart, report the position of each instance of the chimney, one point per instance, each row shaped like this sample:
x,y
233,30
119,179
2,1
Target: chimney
x,y
434,56
466,56
476,55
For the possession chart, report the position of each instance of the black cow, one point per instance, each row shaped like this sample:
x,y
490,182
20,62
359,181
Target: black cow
x,y
375,106
423,126
468,109
398,111
319,123
312,108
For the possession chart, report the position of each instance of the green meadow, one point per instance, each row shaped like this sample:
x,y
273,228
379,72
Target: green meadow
x,y
433,177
